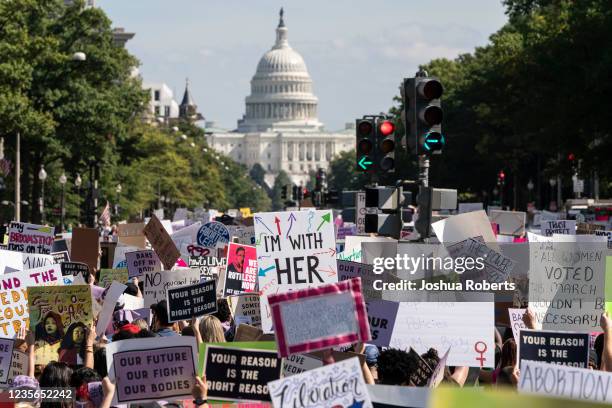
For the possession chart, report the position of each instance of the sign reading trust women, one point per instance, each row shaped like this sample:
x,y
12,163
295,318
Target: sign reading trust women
x,y
295,250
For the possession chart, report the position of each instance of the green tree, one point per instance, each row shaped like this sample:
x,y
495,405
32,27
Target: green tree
x,y
282,179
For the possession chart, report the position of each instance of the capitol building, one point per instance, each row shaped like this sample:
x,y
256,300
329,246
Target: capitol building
x,y
280,129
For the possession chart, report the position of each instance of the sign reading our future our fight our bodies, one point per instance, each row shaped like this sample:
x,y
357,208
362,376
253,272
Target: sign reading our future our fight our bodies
x,y
295,250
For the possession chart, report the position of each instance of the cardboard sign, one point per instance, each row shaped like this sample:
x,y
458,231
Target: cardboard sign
x,y
85,247
510,222
213,235
566,227
30,238
246,305
318,318
565,348
152,369
131,235
246,332
295,250
13,296
381,316
139,262
565,382
339,384
185,302
298,363
465,327
75,269
6,357
516,322
115,290
108,276
59,318
421,376
19,366
237,374
241,270
207,265
156,283
161,242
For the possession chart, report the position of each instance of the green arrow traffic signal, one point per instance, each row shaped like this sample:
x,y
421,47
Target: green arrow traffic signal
x,y
364,162
434,141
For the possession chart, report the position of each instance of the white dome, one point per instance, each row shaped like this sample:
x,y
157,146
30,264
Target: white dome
x,y
281,91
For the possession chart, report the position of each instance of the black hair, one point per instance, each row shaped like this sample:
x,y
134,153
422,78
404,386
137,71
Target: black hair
x,y
161,313
239,249
188,331
223,310
55,375
395,367
67,342
144,333
83,375
40,333
123,335
431,358
131,289
100,362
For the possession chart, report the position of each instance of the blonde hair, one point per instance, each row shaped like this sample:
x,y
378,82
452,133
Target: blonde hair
x,y
142,323
211,330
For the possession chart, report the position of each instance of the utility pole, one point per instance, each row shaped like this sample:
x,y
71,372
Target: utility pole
x,y
18,178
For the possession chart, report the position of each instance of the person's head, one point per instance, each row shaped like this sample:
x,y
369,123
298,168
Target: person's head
x,y
142,323
131,289
395,367
239,255
160,314
55,375
50,327
508,354
188,331
29,384
431,358
75,336
223,311
82,376
211,330
125,332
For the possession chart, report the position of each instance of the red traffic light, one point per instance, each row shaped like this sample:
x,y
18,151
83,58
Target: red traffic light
x,y
571,157
502,175
386,128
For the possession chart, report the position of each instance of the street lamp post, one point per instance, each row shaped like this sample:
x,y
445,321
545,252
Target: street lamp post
x,y
62,181
118,190
77,182
42,176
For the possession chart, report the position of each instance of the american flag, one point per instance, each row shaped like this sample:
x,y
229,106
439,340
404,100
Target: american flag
x,y
105,217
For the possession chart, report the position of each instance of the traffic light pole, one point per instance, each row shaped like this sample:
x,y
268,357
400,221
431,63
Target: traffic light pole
x,y
424,170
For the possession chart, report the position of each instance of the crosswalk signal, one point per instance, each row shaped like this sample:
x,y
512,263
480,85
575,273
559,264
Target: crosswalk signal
x,y
386,142
423,114
365,143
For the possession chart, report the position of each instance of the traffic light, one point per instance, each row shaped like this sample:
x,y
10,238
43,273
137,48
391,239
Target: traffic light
x,y
365,143
501,178
385,136
295,193
423,114
423,221
284,192
387,221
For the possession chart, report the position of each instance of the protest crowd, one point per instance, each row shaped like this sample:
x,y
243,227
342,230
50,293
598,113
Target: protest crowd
x,y
279,310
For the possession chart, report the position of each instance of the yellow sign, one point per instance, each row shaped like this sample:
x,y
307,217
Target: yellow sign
x,y
246,212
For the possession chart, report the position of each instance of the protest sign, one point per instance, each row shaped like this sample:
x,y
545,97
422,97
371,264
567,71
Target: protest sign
x,y
565,348
107,276
131,235
10,261
566,281
550,227
516,322
139,262
463,226
565,382
152,369
85,247
422,373
6,358
161,242
119,255
185,302
339,384
438,373
246,332
465,327
318,318
510,222
298,363
75,269
185,237
19,366
59,257
207,265
607,234
32,261
381,316
348,270
244,235
470,207
238,374
156,283
241,270
352,247
246,305
213,235
392,396
496,268
14,312
295,250
346,230
60,317
30,238
115,290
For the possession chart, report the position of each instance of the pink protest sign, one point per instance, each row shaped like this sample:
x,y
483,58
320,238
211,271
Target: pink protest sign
x,y
319,318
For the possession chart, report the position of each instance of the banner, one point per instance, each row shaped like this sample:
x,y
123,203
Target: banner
x,y
156,283
564,348
139,262
152,369
59,318
241,270
465,327
185,302
566,227
335,385
381,316
295,249
318,318
238,374
565,382
246,305
107,276
161,242
14,313
6,358
30,238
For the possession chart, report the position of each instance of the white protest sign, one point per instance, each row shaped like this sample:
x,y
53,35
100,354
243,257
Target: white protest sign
x,y
156,283
392,396
30,238
465,327
19,366
496,268
463,226
438,373
607,234
550,227
339,384
110,300
298,363
352,246
119,257
562,381
516,322
139,262
470,207
295,250
10,261
6,357
185,237
510,222
246,306
32,261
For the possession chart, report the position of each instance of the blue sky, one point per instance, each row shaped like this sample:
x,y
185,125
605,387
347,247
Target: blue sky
x,y
357,52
